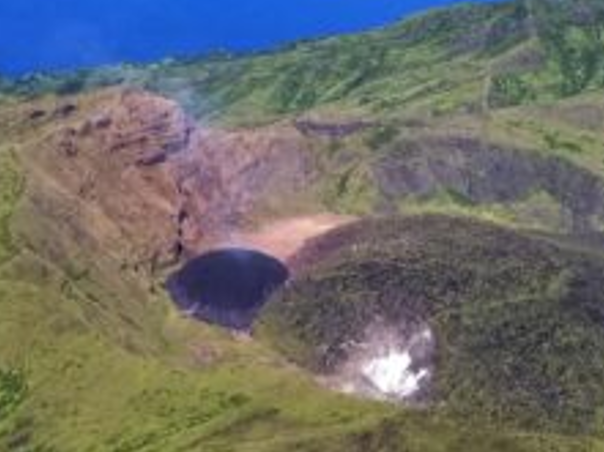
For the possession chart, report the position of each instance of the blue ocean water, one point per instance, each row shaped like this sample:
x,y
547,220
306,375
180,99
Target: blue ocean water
x,y
64,34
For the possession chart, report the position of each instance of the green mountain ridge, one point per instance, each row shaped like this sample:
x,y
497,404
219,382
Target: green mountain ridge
x,y
470,136
525,51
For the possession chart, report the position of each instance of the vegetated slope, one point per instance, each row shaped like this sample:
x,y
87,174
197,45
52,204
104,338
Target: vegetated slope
x,y
92,355
435,63
405,119
518,317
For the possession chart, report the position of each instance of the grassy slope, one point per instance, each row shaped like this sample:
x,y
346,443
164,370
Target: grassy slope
x,y
436,63
65,343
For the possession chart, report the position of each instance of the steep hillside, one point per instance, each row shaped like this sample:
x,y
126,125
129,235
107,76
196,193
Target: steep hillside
x,y
463,58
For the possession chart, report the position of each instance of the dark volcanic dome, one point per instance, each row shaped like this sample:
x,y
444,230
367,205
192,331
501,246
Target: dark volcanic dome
x,y
227,287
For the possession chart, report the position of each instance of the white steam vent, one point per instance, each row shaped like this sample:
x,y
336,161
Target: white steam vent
x,y
392,374
390,364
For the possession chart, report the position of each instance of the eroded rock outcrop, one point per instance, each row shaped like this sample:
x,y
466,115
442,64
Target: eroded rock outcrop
x,y
127,172
102,170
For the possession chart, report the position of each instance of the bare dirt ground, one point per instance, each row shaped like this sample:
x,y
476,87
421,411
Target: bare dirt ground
x,y
283,238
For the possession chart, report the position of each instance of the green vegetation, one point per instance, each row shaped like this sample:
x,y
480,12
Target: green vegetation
x,y
518,317
440,71
11,185
12,391
435,62
508,90
352,191
539,211
490,112
85,392
209,391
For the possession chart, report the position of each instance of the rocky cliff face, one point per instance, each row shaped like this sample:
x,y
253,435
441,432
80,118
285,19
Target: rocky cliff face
x,y
228,174
127,172
100,172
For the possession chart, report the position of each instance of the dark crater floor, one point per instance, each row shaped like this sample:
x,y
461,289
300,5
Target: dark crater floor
x,y
227,287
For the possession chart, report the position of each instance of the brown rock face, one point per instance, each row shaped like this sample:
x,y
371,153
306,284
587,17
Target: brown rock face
x,y
127,172
235,172
108,161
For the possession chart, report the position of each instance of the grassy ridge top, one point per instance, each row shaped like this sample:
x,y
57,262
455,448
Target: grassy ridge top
x,y
462,58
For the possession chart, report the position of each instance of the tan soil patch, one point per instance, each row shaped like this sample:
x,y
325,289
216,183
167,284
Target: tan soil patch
x,y
283,238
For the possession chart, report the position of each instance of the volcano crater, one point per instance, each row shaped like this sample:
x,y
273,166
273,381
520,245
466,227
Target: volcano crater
x,y
227,287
